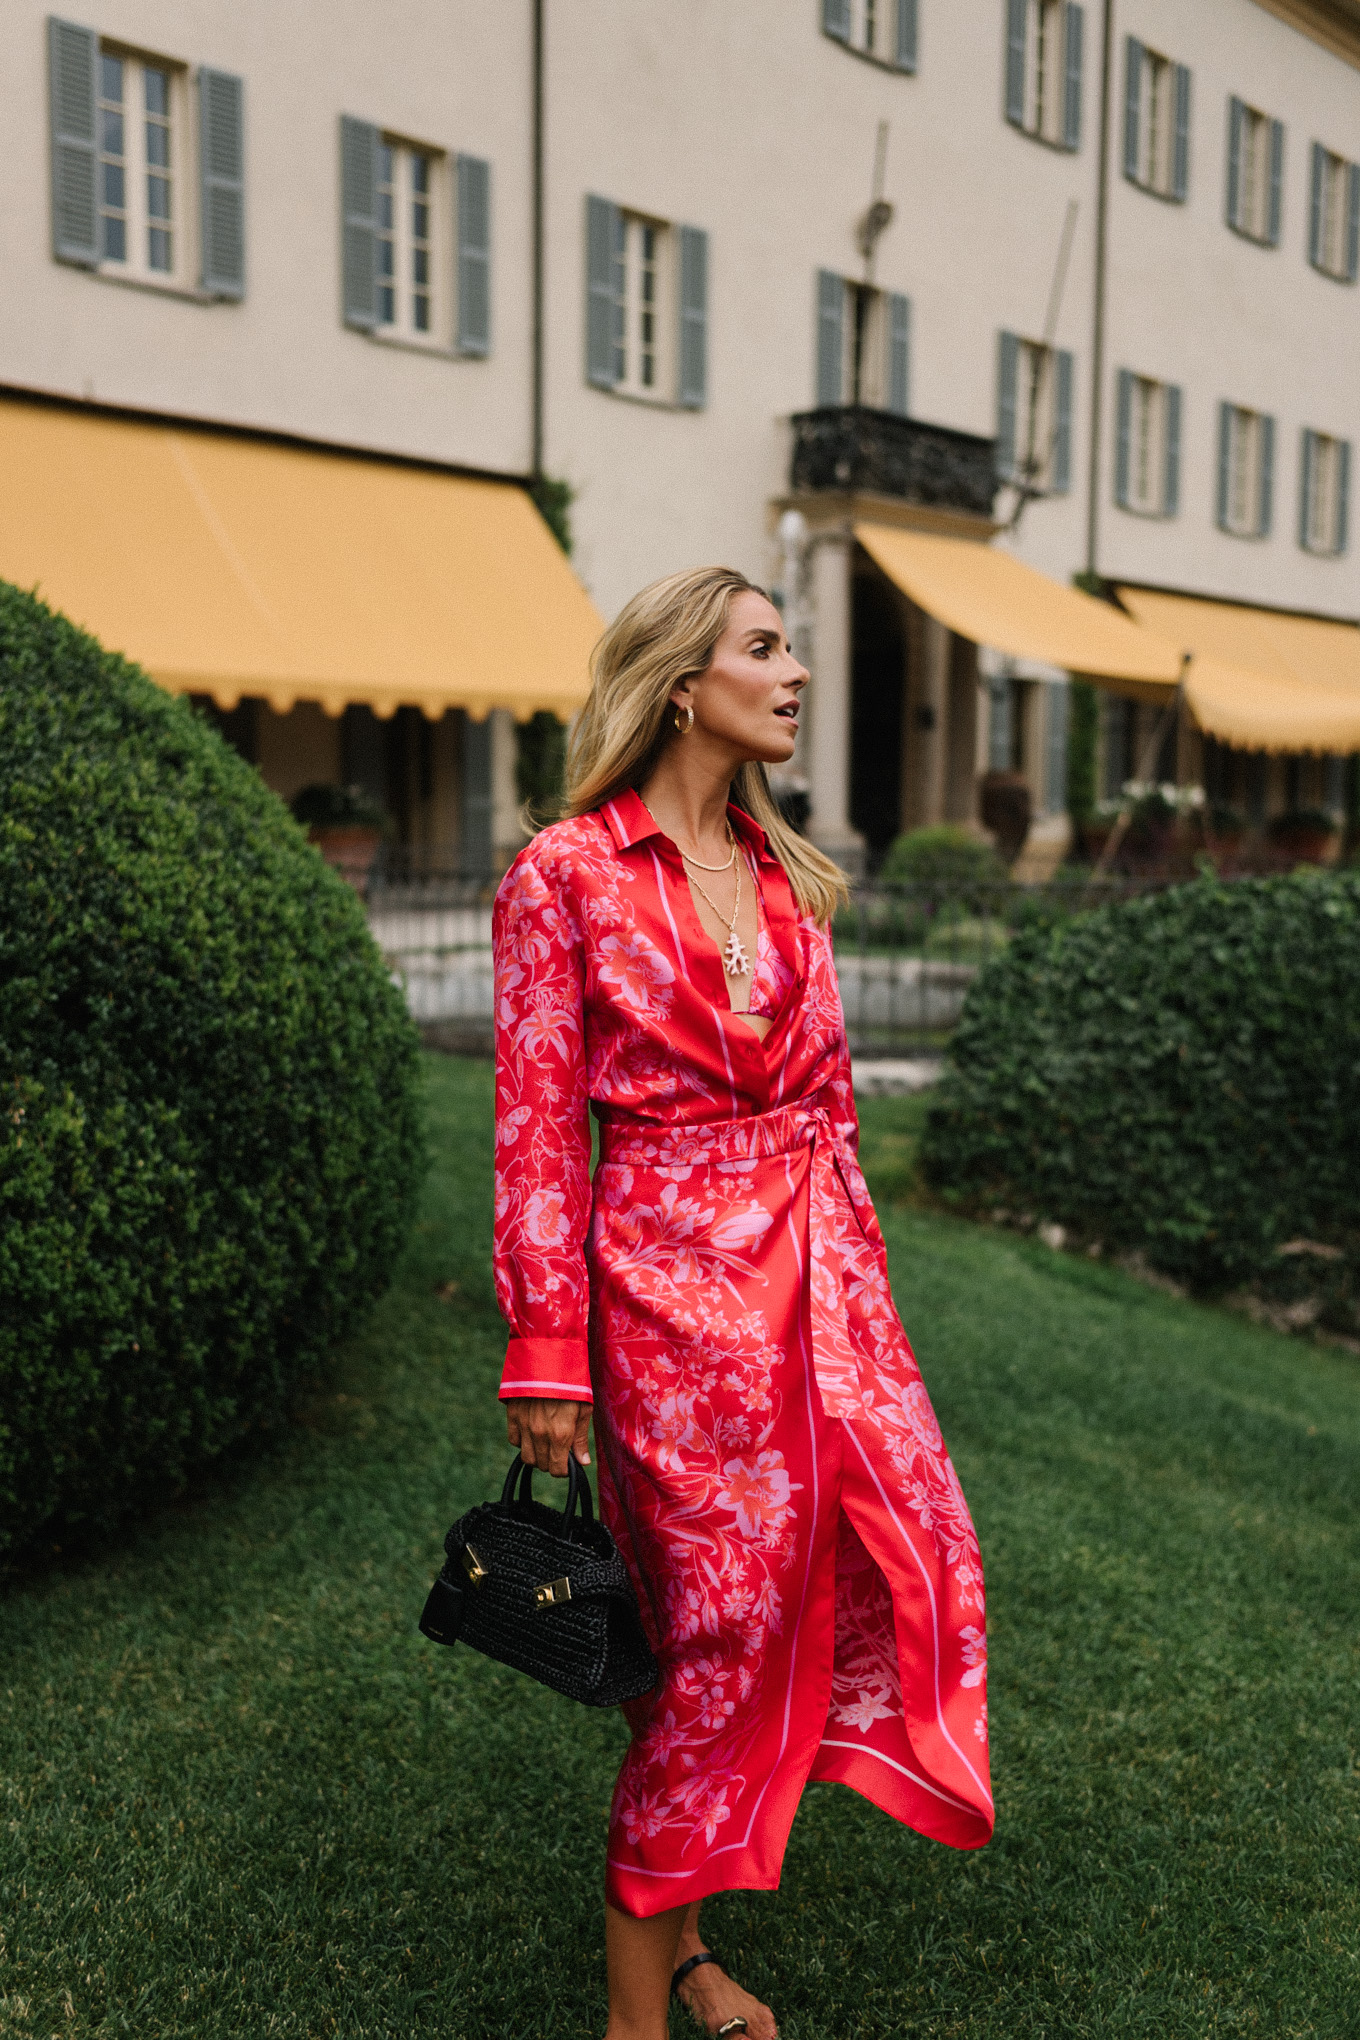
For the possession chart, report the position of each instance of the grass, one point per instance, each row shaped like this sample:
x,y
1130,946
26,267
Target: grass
x,y
242,1797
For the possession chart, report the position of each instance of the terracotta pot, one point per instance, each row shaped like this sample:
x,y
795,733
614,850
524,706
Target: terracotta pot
x,y
1094,837
349,850
1005,809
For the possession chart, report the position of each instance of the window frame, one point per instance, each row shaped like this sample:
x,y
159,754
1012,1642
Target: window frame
x,y
137,169
1158,404
404,330
1329,168
1311,443
900,24
874,346
615,306
1027,66
1146,73
661,308
1241,153
1257,481
1051,378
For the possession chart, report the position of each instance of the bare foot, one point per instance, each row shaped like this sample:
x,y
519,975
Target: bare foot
x,y
710,1996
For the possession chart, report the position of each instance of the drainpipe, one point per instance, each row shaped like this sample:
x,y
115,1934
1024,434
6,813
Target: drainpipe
x,y
1098,320
536,370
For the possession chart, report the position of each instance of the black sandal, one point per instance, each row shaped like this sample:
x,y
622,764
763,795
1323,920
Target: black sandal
x,y
729,2027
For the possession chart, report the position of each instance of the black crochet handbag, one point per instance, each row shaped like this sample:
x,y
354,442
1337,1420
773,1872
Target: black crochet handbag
x,y
543,1592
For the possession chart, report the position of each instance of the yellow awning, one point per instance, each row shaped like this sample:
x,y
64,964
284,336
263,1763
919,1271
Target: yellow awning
x,y
997,601
1259,680
229,566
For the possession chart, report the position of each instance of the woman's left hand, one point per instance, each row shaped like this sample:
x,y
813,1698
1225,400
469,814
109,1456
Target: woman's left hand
x,y
549,1433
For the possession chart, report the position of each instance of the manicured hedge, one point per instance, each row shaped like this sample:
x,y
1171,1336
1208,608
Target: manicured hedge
x,y
1177,1075
209,1139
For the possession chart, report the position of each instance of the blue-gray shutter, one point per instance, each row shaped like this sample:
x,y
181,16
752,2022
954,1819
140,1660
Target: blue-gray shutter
x,y
1061,469
906,35
1171,453
1123,427
359,221
1007,378
1352,221
1276,182
474,256
830,337
1133,106
1315,181
1306,455
899,353
1343,494
477,800
1266,504
836,19
1075,21
1236,118
604,293
693,384
1180,151
1017,15
75,213
1058,694
222,182
1225,411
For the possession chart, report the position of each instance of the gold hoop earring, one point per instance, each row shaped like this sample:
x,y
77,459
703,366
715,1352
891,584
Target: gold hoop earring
x,y
684,727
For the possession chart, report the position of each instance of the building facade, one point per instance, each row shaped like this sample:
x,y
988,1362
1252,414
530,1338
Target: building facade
x,y
1075,282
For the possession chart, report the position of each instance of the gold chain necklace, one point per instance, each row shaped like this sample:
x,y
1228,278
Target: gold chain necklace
x,y
736,962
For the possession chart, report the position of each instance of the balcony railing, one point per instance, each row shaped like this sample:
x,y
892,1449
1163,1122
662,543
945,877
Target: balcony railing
x,y
846,446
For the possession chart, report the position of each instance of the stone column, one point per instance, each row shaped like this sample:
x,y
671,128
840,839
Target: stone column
x,y
961,735
827,754
924,721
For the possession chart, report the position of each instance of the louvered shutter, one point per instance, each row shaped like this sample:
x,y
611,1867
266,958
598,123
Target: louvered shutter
x,y
1123,428
1072,47
474,256
604,293
1225,412
1266,502
1236,122
693,386
1276,182
222,182
1016,20
1171,453
359,221
1007,378
1133,107
906,35
1061,469
1315,188
836,19
1180,147
830,337
1352,221
1307,451
1343,494
75,213
899,353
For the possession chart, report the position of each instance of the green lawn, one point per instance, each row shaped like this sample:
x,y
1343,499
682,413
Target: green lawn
x,y
243,1797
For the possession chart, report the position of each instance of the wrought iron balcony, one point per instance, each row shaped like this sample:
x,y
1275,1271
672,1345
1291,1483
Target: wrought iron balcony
x,y
847,446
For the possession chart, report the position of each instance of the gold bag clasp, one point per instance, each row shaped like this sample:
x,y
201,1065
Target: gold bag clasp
x,y
551,1592
473,1566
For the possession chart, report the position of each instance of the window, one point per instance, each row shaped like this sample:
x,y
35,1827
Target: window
x,y
883,30
1334,215
1043,69
863,345
1324,491
124,202
646,306
1034,416
1147,446
1255,173
1156,122
405,268
415,241
1246,450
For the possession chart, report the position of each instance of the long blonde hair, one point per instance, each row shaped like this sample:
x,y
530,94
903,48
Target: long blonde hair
x,y
666,634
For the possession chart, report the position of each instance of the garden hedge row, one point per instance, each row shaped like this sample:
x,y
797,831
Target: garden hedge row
x,y
1177,1075
209,1135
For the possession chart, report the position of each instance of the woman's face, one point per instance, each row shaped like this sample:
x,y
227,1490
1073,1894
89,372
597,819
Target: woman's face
x,y
748,695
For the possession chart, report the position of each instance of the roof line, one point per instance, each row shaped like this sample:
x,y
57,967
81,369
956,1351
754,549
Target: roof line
x,y
1118,581
256,434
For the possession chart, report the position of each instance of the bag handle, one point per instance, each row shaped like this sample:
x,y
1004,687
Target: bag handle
x,y
578,1488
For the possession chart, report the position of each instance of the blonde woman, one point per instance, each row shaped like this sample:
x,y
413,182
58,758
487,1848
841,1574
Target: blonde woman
x,y
770,1464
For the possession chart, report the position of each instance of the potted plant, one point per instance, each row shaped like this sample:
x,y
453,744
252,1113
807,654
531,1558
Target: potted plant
x,y
1302,836
1225,835
347,826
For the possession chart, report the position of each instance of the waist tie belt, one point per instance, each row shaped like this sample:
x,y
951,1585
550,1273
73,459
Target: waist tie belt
x,y
834,1183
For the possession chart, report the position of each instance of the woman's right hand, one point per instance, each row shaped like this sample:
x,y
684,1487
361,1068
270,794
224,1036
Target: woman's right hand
x,y
548,1434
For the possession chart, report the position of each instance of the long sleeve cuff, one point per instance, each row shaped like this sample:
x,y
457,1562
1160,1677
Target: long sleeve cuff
x,y
556,1368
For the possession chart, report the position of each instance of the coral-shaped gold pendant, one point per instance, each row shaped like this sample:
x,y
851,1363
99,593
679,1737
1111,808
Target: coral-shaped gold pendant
x,y
735,960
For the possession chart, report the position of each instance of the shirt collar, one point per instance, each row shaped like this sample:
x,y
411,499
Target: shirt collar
x,y
630,822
